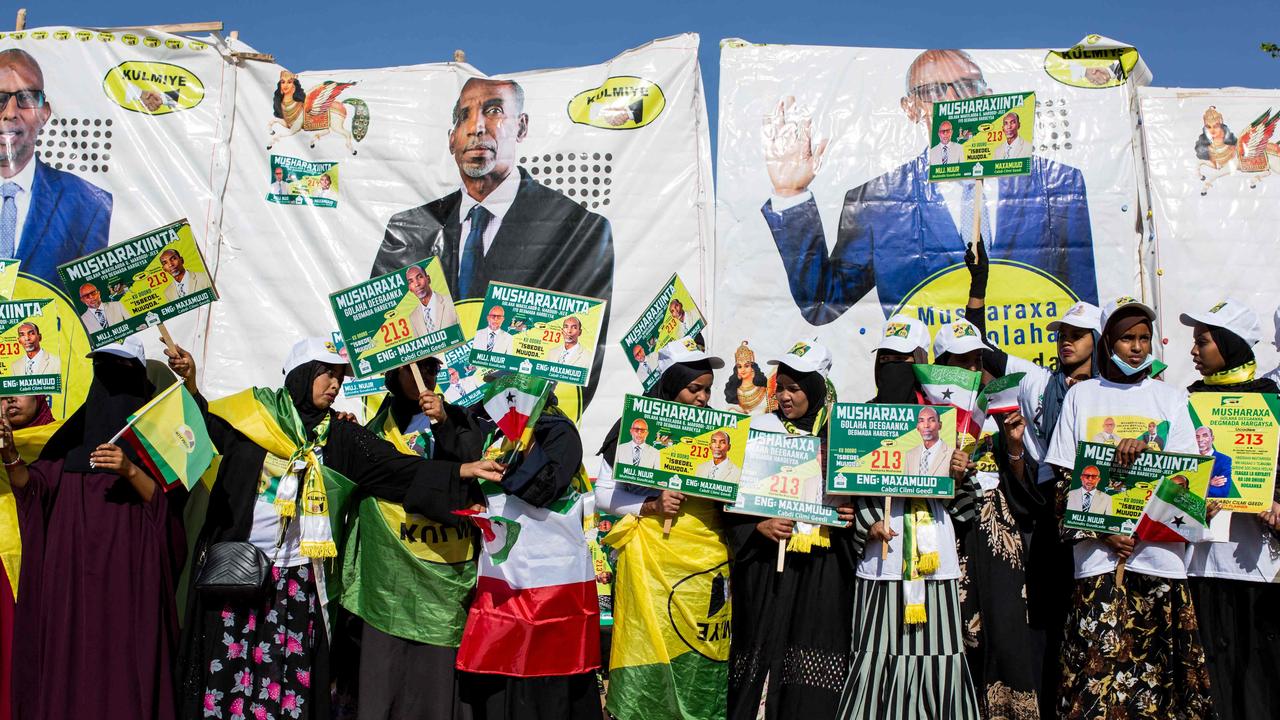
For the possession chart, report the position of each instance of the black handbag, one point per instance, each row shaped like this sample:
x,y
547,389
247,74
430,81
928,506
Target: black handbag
x,y
234,569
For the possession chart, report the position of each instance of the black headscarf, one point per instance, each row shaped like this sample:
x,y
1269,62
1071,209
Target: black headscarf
x,y
1235,353
1117,325
673,380
120,386
895,383
404,407
814,387
1056,390
299,382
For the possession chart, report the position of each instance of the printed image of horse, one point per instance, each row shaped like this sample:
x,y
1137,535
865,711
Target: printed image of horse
x,y
1221,153
317,111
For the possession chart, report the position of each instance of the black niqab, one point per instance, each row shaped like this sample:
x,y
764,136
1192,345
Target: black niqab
x,y
120,386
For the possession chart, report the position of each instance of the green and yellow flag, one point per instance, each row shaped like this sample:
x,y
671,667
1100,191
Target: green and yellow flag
x,y
171,438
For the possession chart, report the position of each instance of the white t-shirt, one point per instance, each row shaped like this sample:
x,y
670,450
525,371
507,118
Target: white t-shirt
x,y
617,498
1031,405
873,568
1132,408
1251,552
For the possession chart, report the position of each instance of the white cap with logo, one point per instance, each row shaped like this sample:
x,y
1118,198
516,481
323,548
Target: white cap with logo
x,y
313,348
685,350
1082,315
904,334
130,347
806,356
957,338
1125,302
1230,315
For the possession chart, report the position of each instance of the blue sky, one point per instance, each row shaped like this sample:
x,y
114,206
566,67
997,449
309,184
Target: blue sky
x,y
1183,44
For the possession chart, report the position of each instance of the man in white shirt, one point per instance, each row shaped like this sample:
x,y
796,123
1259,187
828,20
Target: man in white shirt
x,y
638,452
184,282
1088,498
326,189
458,385
933,456
571,352
946,151
719,467
99,315
279,187
435,309
493,338
643,368
1014,146
1107,435
684,323
35,360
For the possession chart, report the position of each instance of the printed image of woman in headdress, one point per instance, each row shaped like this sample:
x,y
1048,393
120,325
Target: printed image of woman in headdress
x,y
746,389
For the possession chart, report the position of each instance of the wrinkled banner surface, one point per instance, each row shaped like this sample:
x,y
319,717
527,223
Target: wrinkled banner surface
x,y
826,223
1213,159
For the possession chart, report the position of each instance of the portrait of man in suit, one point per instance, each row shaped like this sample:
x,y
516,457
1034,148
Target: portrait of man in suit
x,y
491,337
719,467
435,309
34,360
1088,498
501,224
899,229
1014,146
47,216
946,151
933,455
570,351
183,282
99,315
638,452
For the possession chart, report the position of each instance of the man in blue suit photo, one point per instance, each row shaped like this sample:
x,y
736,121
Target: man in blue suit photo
x,y
47,216
899,229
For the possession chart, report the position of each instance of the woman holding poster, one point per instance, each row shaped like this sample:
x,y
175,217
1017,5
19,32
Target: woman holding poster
x,y
908,649
648,609
791,629
1233,583
1131,646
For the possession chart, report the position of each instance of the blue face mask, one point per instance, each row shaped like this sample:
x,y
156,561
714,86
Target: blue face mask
x,y
1130,370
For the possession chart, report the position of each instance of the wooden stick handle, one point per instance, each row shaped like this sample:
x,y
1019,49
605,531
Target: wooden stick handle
x,y
417,377
21,22
168,339
782,554
978,206
1120,574
888,508
666,526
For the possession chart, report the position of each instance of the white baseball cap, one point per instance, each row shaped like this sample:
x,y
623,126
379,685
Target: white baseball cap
x,y
1082,315
957,338
130,347
1230,315
806,356
313,348
1122,303
904,334
685,350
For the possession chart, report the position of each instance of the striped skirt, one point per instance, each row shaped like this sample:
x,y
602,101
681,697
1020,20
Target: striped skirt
x,y
903,671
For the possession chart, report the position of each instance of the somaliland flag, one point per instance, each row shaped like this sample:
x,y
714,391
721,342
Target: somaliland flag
x,y
514,402
171,438
1174,513
1000,395
957,387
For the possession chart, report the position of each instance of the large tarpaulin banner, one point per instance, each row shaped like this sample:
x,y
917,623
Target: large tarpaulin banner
x,y
1213,164
341,175
122,132
827,223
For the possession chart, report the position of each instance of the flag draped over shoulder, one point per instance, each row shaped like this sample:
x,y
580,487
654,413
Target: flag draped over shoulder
x,y
1174,513
957,387
29,441
672,616
171,438
535,612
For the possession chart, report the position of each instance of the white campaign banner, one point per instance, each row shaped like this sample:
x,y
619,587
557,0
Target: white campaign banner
x,y
341,175
130,134
1213,165
826,224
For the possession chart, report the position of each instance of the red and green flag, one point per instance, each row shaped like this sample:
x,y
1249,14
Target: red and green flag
x,y
171,438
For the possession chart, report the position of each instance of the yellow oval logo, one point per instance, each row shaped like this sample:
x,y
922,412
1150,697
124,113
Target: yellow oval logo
x,y
1092,68
699,608
153,88
624,102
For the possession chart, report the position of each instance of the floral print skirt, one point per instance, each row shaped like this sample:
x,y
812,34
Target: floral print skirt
x,y
259,666
1133,651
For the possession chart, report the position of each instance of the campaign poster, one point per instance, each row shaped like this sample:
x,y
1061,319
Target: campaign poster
x,y
672,315
32,348
396,318
1240,432
1109,499
782,478
536,332
8,277
461,382
140,282
356,387
981,137
898,450
295,181
696,450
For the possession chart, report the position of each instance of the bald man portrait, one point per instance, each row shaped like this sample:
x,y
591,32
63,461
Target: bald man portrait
x,y
47,216
501,224
898,229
